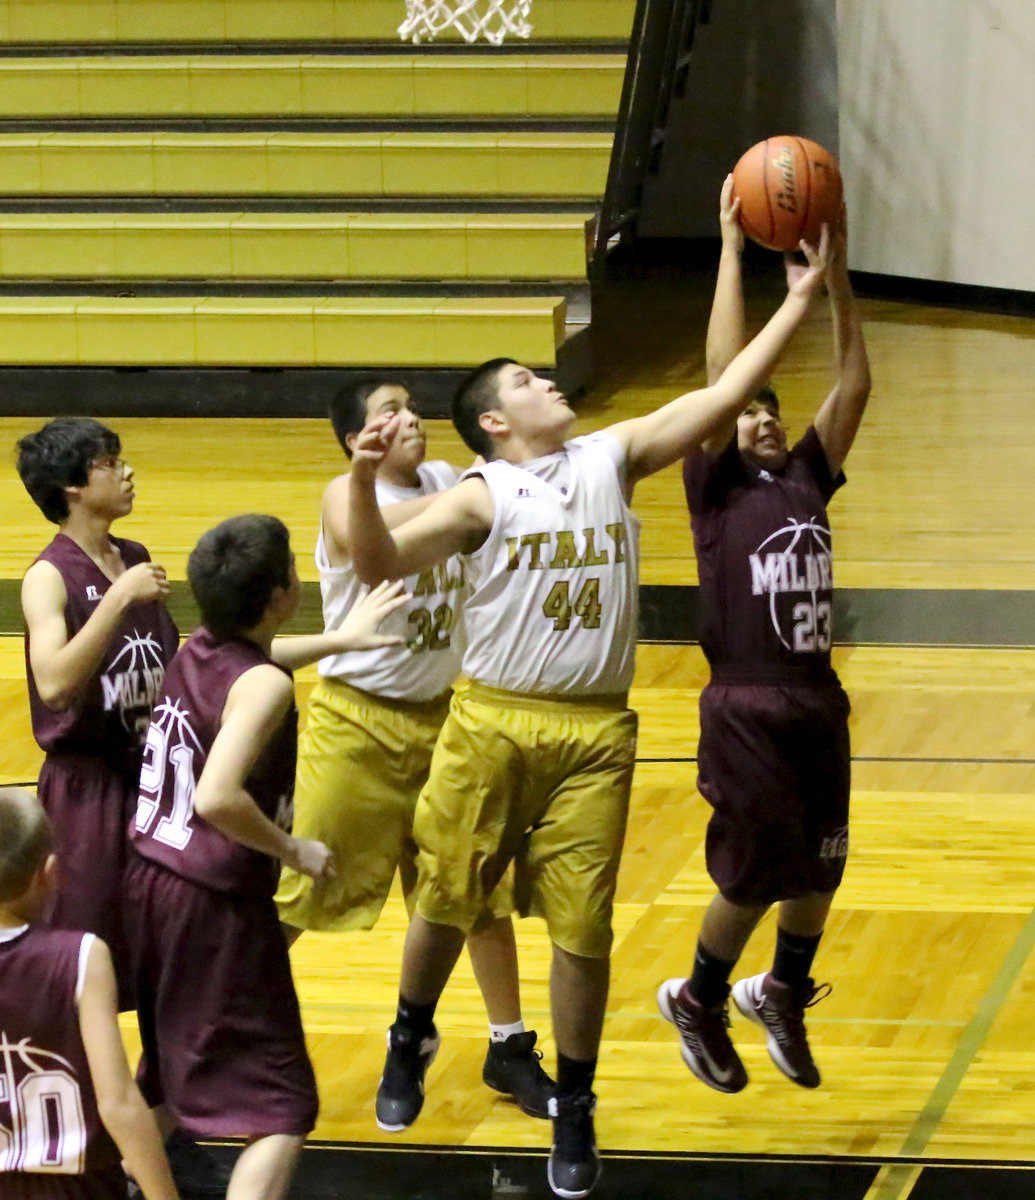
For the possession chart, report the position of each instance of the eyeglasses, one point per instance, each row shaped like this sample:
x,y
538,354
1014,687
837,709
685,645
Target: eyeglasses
x,y
116,465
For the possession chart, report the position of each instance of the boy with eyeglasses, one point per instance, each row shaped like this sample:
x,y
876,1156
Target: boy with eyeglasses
x,y
98,637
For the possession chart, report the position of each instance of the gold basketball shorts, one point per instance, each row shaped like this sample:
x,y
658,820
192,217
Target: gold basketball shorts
x,y
540,781
362,762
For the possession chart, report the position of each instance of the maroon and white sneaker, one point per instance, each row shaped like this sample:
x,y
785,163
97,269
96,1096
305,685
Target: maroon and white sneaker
x,y
781,1013
704,1032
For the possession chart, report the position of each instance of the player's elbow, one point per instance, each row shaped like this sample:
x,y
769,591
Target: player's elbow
x,y
857,392
211,804
714,365
56,694
371,577
371,570
119,1107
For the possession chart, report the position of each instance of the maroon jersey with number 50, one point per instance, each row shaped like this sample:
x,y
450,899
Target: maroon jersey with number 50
x,y
764,561
49,1123
184,725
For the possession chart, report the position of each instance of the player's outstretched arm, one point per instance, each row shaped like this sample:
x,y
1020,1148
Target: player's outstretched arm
x,y
837,422
676,429
359,630
334,517
122,1109
456,521
255,708
727,330
63,666
726,326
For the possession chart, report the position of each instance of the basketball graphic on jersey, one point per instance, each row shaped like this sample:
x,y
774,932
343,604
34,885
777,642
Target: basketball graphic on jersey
x,y
42,1126
794,568
132,680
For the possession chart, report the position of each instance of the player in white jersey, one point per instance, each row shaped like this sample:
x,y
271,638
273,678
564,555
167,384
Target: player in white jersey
x,y
534,763
372,722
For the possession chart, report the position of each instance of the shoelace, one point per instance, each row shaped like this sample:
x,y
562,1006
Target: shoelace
x,y
817,993
791,1025
685,1022
524,1046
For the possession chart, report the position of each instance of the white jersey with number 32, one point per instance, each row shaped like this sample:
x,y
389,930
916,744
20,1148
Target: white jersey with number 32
x,y
554,599
430,623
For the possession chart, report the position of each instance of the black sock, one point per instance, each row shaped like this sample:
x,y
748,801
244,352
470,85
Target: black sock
x,y
419,1019
574,1077
709,984
792,962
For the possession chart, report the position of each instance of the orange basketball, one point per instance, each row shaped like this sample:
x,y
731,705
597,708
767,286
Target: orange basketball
x,y
788,187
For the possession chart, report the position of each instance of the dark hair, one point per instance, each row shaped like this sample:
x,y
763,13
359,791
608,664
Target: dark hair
x,y
348,408
25,840
60,455
767,395
477,394
235,567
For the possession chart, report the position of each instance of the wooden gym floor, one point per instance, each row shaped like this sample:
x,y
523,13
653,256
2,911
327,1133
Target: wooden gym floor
x,y
925,1043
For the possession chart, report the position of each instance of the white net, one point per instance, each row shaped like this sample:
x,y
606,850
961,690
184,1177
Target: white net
x,y
493,20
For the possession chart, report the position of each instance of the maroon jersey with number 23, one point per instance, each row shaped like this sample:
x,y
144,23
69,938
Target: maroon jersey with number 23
x,y
764,561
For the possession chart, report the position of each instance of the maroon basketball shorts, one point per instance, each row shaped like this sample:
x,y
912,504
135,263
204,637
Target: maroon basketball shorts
x,y
107,1184
90,806
219,1021
775,765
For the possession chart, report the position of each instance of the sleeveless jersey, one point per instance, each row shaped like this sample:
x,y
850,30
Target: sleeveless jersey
x,y
764,561
185,723
109,717
431,622
48,1111
554,589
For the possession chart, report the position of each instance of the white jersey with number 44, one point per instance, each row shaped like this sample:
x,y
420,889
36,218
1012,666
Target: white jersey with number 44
x,y
554,589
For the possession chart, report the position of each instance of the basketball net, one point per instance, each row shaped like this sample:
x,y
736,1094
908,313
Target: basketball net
x,y
492,20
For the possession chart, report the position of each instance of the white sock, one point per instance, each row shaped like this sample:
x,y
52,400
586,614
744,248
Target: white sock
x,y
500,1033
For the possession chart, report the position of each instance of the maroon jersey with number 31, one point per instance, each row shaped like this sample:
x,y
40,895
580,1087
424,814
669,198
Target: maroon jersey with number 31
x,y
184,725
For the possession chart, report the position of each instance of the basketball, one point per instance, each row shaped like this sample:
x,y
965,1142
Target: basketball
x,y
788,188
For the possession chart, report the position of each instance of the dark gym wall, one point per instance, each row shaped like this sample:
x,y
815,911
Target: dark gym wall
x,y
759,67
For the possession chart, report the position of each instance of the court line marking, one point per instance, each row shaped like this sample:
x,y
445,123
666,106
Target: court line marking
x,y
991,762
863,758
1006,646
891,645
875,1160
896,1185
879,758
895,1181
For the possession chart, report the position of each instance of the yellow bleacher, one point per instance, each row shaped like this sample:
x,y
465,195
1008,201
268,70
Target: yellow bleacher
x,y
530,165
421,184
100,21
299,245
412,85
280,331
